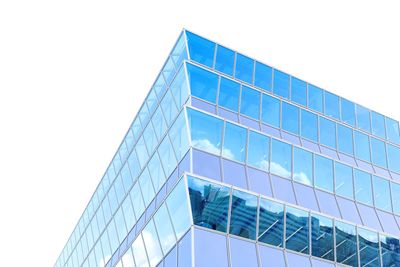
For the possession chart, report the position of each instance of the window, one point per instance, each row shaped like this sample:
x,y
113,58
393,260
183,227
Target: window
x,y
281,160
229,92
225,60
327,132
244,68
243,215
250,102
164,229
159,121
363,118
281,83
309,125
299,91
234,142
302,166
393,157
392,130
369,248
363,190
297,238
322,237
139,252
179,137
270,228
271,110
151,242
315,98
348,112
346,244
200,49
179,89
378,153
332,105
362,146
209,249
345,139
378,124
290,118
263,76
382,194
258,151
344,180
323,173
203,84
169,108
390,250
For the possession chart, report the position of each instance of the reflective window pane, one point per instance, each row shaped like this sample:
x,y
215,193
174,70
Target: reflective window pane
x,y
327,132
243,214
332,105
363,118
225,60
159,123
209,203
203,83
139,252
244,68
258,151
250,102
290,118
348,111
362,146
281,83
378,153
270,228
179,88
363,190
210,249
147,187
382,193
200,49
369,248
179,137
263,76
299,91
345,139
344,180
323,173
393,158
309,125
322,237
346,244
378,124
271,110
150,239
390,250
297,232
392,130
302,166
168,107
164,229
315,96
234,142
243,253
229,92
281,159
395,197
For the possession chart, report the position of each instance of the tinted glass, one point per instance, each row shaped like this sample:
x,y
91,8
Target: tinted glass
x,y
346,244
382,193
258,151
179,88
250,102
225,60
263,76
229,92
271,109
395,197
378,124
139,252
270,228
363,190
281,84
299,91
393,158
290,118
315,96
297,232
392,130
332,105
281,159
309,125
390,250
369,248
243,253
323,173
150,239
302,166
209,203
327,132
363,118
244,68
203,84
200,49
345,139
348,111
378,153
362,146
234,142
210,249
243,214
344,180
322,237
164,229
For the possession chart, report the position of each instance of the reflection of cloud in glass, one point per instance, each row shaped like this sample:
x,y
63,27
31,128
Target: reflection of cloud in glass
x,y
127,259
206,145
277,169
302,178
152,247
264,165
139,252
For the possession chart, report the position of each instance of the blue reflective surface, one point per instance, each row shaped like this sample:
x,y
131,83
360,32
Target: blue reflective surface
x,y
309,125
243,215
315,96
298,91
345,139
229,92
235,140
322,237
271,109
250,102
324,173
281,83
200,49
344,180
297,230
203,83
302,166
281,159
224,60
332,105
270,228
290,118
263,76
259,147
244,68
327,135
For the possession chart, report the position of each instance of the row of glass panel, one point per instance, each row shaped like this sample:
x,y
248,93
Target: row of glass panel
x,y
239,213
298,121
237,143
281,84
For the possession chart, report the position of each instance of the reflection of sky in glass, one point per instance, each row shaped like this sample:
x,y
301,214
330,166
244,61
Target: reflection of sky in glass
x,y
281,160
344,180
234,142
164,229
152,245
362,181
323,173
302,166
139,252
258,151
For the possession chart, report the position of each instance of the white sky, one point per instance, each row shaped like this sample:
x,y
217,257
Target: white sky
x,y
74,73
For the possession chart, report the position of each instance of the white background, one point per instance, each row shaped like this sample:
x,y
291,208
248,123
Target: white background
x,y
74,73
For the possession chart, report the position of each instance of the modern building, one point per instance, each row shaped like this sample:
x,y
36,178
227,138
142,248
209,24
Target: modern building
x,y
231,162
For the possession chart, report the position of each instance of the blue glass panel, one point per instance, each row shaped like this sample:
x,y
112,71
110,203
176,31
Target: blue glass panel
x,y
200,49
225,60
382,193
388,222
234,173
332,105
309,125
290,118
323,173
147,187
297,231
263,76
378,153
243,215
171,260
150,138
185,250
206,165
327,203
281,83
378,124
393,158
137,200
299,91
369,217
179,52
229,92
296,260
322,237
168,70
362,146
258,151
281,159
150,239
167,156
179,88
168,107
390,250
302,166
271,110
159,123
315,96
156,172
209,203
160,86
250,102
179,137
139,252
270,228
259,182
363,118
327,132
203,83
244,68
392,130
345,139
344,180
369,248
243,253
346,244
306,196
348,111
206,131
363,190
395,197
234,142
348,210
210,249
271,257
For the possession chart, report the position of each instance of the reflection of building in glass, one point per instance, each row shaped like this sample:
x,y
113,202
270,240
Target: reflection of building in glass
x,y
231,162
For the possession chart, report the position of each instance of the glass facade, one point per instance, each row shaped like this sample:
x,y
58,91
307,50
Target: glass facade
x,y
230,162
